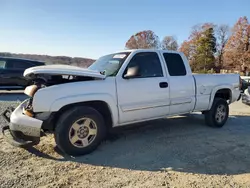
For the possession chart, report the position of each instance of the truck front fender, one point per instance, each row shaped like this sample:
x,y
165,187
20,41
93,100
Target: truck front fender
x,y
61,102
214,91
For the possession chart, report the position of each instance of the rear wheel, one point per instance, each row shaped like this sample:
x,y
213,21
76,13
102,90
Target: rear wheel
x,y
80,131
218,114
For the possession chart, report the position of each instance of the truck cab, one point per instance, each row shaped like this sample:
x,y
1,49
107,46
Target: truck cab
x,y
145,86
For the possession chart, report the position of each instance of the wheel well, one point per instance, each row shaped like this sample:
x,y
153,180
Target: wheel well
x,y
101,106
224,94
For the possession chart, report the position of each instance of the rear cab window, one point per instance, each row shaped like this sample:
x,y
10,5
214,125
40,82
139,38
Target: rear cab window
x,y
175,64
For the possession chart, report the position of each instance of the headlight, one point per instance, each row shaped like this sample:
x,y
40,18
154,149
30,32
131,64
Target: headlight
x,y
31,90
27,112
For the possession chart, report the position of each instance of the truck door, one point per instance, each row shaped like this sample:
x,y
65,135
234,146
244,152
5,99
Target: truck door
x,y
142,89
181,83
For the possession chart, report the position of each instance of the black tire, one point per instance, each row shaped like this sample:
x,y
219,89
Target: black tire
x,y
65,122
210,116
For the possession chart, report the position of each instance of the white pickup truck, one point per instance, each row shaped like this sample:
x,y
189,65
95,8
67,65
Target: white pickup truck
x,y
80,105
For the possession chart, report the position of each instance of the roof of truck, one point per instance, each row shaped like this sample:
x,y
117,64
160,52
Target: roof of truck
x,y
141,50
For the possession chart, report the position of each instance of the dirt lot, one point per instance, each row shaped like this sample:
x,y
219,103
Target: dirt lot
x,y
175,152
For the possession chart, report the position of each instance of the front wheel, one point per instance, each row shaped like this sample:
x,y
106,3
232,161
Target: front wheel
x,y
218,114
80,131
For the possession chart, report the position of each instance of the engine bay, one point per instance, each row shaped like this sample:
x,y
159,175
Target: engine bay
x,y
46,80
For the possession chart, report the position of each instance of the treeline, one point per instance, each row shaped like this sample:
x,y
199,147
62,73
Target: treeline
x,y
209,46
77,61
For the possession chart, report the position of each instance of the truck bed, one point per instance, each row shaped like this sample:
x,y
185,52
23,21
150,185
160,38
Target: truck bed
x,y
205,84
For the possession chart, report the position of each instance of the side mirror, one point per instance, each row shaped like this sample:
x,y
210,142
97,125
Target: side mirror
x,y
132,72
128,76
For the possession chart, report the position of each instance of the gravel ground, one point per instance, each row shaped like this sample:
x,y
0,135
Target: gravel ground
x,y
174,152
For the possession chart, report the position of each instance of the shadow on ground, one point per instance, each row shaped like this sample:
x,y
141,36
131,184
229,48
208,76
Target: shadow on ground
x,y
182,144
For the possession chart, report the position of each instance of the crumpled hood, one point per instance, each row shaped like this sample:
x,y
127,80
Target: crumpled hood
x,y
62,70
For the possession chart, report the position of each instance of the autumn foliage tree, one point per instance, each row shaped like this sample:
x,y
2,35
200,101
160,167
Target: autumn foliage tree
x,y
200,47
144,39
237,50
169,43
208,46
186,49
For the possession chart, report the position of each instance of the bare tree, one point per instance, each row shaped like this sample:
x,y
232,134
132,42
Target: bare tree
x,y
222,33
169,43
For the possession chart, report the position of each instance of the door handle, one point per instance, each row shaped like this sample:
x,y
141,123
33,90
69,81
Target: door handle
x,y
163,84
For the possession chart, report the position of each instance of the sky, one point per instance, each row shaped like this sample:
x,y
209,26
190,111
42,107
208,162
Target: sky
x,y
92,28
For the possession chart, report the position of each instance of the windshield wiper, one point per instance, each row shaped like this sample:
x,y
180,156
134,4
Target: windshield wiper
x,y
103,72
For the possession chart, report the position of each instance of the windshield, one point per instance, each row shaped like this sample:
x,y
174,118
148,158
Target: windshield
x,y
109,64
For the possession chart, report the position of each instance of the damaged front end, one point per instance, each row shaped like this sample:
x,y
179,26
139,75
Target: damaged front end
x,y
24,126
21,130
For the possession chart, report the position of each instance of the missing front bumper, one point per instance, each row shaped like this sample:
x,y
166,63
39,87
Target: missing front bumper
x,y
19,121
12,139
7,113
21,130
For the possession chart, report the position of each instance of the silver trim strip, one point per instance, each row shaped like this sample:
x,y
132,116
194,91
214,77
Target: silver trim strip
x,y
145,107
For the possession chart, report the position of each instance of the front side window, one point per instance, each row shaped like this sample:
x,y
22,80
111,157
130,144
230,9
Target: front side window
x,y
109,64
144,65
2,64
